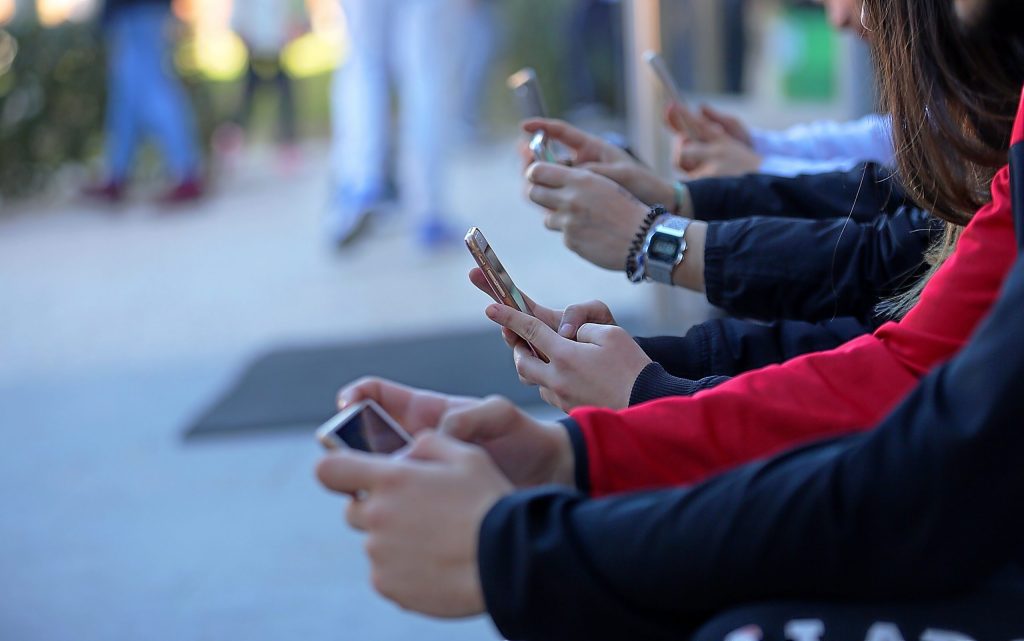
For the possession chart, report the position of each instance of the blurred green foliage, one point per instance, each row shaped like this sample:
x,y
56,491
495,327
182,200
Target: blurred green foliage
x,y
51,103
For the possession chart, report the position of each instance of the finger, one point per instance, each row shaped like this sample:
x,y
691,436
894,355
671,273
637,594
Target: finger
x,y
511,338
349,472
479,279
618,172
546,197
527,327
683,121
480,423
525,154
716,116
549,316
431,446
388,394
576,315
594,334
531,370
355,514
695,154
560,130
732,125
550,398
556,221
550,174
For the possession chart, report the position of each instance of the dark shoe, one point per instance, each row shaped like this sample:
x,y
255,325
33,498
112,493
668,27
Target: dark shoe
x,y
184,192
110,191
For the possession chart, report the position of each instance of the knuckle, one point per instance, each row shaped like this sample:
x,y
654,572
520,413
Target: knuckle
x,y
374,517
373,549
381,584
393,478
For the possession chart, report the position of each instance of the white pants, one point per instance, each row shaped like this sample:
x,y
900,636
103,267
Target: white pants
x,y
405,43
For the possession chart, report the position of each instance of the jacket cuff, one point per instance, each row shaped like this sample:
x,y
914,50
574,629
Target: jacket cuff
x,y
705,197
686,356
581,463
715,252
654,382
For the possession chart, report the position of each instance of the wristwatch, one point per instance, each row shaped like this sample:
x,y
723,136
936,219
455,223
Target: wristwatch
x,y
665,247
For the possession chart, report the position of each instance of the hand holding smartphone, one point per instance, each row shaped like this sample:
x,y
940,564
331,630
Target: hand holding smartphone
x,y
363,426
660,68
501,283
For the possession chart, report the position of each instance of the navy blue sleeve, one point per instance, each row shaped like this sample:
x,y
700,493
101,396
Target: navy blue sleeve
x,y
730,346
655,382
928,504
861,193
812,270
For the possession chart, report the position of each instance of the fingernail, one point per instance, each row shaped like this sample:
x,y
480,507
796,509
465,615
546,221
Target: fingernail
x,y
491,311
565,330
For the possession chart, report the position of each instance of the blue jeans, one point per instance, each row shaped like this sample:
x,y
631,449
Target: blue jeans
x,y
144,97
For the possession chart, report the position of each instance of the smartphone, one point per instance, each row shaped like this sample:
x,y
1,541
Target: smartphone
x,y
501,283
363,426
660,69
541,148
526,89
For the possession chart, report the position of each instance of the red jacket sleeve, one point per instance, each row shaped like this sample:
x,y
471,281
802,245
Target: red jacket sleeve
x,y
681,440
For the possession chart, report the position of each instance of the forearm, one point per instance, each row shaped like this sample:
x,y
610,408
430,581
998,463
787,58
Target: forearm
x,y
862,194
677,441
925,505
732,346
777,268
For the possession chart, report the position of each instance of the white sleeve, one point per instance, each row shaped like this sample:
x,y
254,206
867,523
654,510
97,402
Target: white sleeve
x,y
788,166
863,140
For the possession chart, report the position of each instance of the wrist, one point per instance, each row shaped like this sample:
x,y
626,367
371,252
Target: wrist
x,y
564,465
682,201
635,265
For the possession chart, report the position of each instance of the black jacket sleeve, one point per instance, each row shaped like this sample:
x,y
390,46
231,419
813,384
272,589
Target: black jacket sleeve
x,y
812,270
928,504
730,346
861,193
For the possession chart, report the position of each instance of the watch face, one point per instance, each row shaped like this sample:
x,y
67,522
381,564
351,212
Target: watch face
x,y
663,248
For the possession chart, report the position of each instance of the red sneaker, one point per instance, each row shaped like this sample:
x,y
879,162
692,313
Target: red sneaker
x,y
110,191
186,191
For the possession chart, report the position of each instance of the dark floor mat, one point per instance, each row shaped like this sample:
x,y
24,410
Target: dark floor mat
x,y
295,387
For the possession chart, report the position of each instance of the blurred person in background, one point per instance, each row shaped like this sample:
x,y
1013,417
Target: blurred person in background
x,y
594,30
405,43
710,143
484,36
266,27
145,97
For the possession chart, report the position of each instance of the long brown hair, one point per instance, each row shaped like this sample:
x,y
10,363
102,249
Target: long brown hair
x,y
953,98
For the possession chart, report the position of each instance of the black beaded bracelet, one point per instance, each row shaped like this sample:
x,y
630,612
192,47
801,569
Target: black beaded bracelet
x,y
633,271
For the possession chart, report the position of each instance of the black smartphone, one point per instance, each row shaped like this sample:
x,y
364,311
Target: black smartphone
x,y
363,426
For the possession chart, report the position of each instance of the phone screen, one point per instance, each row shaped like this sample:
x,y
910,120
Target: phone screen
x,y
368,431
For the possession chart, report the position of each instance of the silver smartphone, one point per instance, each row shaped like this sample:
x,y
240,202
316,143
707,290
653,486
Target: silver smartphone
x,y
660,69
672,91
502,285
526,89
541,148
363,426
